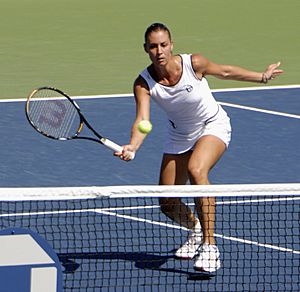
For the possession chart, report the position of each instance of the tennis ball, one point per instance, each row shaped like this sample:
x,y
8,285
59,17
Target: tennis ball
x,y
145,126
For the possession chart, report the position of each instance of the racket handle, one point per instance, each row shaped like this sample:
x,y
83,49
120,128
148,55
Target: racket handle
x,y
115,147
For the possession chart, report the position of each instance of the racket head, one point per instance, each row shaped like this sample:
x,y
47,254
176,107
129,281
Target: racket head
x,y
53,113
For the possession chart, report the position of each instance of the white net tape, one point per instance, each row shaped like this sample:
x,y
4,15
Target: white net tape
x,y
92,192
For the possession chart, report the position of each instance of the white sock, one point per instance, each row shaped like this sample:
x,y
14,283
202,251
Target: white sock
x,y
197,228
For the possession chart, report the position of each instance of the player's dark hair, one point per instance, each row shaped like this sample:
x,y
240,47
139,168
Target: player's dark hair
x,y
156,27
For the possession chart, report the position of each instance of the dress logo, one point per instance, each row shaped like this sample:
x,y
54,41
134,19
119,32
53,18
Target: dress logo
x,y
188,88
173,124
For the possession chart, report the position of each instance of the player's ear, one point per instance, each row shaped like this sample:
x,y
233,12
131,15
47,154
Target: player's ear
x,y
172,45
145,48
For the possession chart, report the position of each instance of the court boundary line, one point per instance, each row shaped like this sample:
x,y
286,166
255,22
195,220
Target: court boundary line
x,y
121,95
256,109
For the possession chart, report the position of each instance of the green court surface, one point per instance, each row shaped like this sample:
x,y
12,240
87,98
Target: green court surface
x,y
95,46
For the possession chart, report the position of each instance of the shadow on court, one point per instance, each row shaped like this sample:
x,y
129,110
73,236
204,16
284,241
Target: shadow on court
x,y
142,260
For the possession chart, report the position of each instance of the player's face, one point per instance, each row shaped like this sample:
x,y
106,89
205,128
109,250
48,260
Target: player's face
x,y
159,47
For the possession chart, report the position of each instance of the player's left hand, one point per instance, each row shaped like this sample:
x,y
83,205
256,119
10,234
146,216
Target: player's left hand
x,y
272,71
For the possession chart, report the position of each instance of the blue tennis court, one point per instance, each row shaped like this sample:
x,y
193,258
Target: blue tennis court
x,y
262,144
254,236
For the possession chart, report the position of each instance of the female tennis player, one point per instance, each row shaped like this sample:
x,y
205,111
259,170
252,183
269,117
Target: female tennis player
x,y
199,132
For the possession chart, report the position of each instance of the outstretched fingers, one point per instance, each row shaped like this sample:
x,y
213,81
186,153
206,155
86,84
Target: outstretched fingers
x,y
273,71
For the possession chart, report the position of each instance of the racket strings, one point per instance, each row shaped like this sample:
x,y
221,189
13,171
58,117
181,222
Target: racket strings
x,y
53,114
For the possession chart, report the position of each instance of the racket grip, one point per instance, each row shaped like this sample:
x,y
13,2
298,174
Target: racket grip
x,y
115,147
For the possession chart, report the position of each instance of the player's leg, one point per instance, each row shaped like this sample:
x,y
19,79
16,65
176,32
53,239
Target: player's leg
x,y
207,151
174,172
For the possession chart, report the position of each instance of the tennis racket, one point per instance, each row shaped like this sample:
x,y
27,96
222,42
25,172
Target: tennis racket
x,y
55,115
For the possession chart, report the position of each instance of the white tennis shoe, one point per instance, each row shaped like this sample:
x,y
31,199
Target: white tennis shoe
x,y
190,248
208,259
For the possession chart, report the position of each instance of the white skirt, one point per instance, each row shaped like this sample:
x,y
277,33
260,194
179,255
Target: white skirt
x,y
218,126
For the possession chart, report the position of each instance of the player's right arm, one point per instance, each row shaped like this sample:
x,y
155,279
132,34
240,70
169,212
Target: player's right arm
x,y
142,101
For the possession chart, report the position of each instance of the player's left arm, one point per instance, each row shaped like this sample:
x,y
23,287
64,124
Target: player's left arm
x,y
203,67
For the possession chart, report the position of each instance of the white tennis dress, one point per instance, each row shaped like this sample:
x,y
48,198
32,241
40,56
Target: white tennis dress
x,y
191,109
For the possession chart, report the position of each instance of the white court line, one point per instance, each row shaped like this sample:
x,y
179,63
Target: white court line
x,y
279,199
245,241
258,201
109,209
255,88
47,213
260,110
216,90
131,95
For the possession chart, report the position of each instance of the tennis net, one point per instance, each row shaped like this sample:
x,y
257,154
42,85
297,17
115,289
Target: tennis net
x,y
117,239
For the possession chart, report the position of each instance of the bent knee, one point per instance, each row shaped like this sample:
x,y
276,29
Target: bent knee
x,y
168,205
198,174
